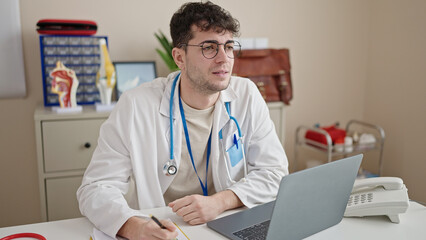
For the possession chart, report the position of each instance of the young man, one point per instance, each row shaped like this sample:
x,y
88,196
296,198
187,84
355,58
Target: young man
x,y
185,122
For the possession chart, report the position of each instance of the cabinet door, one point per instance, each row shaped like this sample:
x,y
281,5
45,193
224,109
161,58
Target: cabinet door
x,y
276,111
61,198
275,114
69,144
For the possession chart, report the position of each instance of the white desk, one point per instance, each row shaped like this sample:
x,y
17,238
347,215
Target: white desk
x,y
412,226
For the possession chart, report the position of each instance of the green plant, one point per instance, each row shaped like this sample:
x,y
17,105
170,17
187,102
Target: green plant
x,y
166,55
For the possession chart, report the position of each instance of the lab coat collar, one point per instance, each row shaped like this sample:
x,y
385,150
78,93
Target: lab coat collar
x,y
165,100
227,95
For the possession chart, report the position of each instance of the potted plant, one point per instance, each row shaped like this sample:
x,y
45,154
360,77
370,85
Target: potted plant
x,y
166,55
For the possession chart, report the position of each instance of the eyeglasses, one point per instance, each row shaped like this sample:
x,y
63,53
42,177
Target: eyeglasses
x,y
210,49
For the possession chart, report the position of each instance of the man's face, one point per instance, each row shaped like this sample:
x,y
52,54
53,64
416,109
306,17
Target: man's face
x,y
207,76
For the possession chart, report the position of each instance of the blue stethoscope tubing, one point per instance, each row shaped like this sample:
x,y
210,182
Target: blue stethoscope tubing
x,y
172,93
171,164
224,147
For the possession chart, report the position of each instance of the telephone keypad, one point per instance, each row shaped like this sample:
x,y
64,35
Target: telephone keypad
x,y
360,199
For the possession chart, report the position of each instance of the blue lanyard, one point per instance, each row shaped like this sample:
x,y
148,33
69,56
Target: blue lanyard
x,y
188,145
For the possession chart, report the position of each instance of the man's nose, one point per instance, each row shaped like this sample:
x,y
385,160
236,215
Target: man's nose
x,y
221,55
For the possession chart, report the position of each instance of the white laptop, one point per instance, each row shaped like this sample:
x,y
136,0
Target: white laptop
x,y
307,202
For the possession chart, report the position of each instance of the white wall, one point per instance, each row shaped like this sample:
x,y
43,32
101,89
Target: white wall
x,y
396,88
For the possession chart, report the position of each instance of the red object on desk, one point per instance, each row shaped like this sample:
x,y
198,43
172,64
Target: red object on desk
x,y
337,135
24,235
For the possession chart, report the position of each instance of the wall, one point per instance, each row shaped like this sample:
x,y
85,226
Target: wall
x,y
335,78
396,88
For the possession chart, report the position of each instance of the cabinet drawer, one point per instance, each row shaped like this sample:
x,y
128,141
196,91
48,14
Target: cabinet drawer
x,y
61,198
69,145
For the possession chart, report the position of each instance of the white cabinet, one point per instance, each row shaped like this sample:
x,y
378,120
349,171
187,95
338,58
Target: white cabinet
x,y
277,113
61,197
65,144
72,151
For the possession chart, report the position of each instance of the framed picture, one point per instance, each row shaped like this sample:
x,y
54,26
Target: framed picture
x,y
133,74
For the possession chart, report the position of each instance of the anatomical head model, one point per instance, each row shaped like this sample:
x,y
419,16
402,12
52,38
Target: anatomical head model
x,y
65,84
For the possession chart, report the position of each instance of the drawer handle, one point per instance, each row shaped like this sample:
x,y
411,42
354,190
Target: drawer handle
x,y
87,145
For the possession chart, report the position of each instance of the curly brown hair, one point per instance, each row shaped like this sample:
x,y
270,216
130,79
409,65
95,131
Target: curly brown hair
x,y
206,16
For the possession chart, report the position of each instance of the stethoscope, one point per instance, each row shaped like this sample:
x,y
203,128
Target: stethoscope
x,y
170,168
24,235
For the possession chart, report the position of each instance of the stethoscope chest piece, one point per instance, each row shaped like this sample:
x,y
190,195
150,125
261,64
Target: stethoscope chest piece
x,y
170,168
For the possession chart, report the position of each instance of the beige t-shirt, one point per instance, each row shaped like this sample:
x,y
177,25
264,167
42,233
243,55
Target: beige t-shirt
x,y
199,123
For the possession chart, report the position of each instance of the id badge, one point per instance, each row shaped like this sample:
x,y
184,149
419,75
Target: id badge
x,y
235,152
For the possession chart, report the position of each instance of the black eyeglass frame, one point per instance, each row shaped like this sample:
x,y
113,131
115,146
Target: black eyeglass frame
x,y
236,43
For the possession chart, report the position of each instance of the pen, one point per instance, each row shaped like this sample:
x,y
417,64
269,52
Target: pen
x,y
235,140
157,222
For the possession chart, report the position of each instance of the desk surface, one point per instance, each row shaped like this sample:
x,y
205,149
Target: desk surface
x,y
412,226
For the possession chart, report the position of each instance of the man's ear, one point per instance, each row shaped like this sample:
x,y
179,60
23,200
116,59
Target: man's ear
x,y
179,57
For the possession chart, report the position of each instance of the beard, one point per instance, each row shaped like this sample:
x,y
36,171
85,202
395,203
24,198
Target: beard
x,y
207,83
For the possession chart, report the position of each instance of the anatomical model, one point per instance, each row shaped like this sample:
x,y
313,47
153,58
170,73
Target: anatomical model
x,y
105,79
65,84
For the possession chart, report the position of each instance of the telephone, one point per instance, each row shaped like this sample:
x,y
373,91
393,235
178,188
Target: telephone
x,y
378,196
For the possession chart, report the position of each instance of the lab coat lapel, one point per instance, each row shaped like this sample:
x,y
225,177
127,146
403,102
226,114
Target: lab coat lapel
x,y
165,100
227,95
221,119
177,126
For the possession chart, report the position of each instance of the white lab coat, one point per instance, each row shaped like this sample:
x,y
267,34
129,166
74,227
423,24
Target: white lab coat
x,y
135,142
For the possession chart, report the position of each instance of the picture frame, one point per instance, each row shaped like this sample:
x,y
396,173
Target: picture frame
x,y
132,74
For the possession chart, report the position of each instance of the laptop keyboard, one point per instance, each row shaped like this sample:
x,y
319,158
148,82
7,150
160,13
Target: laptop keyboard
x,y
255,232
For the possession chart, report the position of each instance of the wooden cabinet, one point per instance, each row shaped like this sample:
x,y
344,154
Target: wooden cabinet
x,y
65,144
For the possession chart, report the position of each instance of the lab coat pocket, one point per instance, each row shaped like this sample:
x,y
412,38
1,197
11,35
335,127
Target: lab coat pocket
x,y
229,140
235,152
234,156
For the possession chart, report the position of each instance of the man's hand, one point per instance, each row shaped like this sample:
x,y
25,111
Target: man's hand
x,y
141,229
198,209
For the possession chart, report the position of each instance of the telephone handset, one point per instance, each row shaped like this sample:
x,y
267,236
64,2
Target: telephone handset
x,y
378,196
